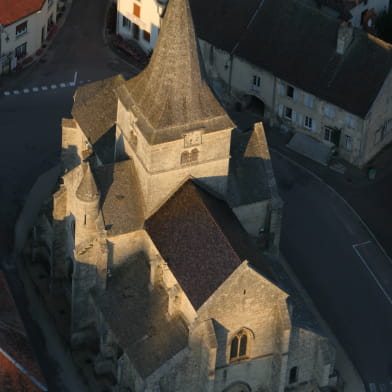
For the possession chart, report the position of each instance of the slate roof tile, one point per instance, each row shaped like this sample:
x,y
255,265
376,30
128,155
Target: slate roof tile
x,y
201,240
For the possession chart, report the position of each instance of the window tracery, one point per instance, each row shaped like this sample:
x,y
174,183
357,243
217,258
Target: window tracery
x,y
239,346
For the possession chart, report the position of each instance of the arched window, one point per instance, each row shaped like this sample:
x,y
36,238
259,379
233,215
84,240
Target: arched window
x,y
185,158
239,347
293,374
194,155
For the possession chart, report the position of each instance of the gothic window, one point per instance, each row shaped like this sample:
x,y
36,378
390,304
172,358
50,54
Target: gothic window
x,y
239,347
194,155
293,375
185,158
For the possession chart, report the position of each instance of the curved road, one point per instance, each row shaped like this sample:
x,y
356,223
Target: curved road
x,y
341,267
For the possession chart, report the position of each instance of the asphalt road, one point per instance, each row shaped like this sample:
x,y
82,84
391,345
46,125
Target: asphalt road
x,y
331,253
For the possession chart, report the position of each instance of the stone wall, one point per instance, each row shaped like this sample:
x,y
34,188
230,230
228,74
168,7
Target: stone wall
x,y
247,301
160,168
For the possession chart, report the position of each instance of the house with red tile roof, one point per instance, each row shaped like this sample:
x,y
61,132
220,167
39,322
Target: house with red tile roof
x,y
24,27
19,370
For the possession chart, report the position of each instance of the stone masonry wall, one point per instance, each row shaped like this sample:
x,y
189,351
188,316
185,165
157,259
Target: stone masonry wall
x,y
247,300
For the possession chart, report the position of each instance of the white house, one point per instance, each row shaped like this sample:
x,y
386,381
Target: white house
x,y
24,26
140,21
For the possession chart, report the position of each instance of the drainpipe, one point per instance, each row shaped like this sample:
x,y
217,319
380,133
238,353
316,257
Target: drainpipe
x,y
272,121
230,72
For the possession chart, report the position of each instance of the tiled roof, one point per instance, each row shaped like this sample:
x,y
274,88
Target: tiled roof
x,y
121,197
297,43
248,180
202,241
341,5
13,10
138,317
172,94
95,107
15,351
87,189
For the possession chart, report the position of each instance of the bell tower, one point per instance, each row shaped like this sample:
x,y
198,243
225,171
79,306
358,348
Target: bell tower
x,y
169,120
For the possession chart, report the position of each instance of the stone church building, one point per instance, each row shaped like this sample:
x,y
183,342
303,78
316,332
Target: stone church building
x,y
159,238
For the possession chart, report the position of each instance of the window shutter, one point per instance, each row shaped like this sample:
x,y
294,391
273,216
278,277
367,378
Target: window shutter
x,y
280,110
281,89
294,116
311,101
314,126
300,119
295,95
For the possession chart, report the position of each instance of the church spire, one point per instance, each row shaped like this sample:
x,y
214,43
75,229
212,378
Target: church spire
x,y
171,91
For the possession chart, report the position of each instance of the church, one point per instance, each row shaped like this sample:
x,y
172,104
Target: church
x,y
159,237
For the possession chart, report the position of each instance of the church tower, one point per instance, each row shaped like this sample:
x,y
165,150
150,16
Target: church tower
x,y
168,119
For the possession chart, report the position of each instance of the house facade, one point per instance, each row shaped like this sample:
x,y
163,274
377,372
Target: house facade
x,y
24,26
140,21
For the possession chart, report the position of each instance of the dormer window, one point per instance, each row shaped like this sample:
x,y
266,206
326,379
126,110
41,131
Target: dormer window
x,y
239,346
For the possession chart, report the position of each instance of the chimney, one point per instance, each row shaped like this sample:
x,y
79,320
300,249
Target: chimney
x,y
345,36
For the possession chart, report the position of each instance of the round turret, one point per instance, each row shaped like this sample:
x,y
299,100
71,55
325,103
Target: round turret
x,y
87,190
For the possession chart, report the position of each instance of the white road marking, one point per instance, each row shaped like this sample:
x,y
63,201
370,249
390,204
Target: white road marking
x,y
355,247
45,88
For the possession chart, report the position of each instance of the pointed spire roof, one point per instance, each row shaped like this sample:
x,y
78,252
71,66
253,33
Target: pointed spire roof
x,y
172,91
87,189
